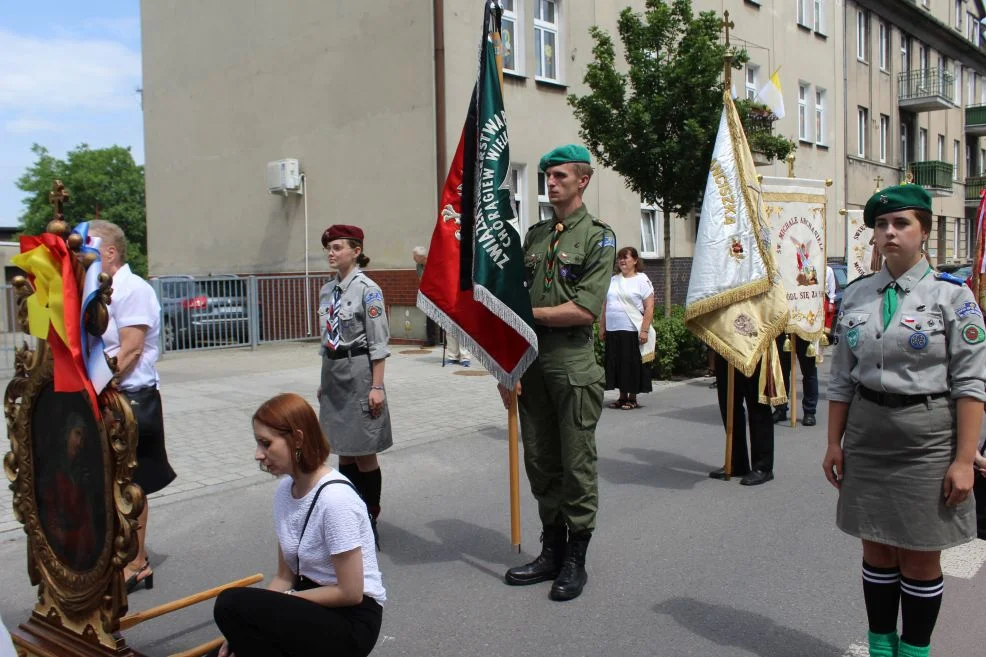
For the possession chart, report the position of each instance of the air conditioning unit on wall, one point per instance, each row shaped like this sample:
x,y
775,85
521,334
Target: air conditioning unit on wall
x,y
283,176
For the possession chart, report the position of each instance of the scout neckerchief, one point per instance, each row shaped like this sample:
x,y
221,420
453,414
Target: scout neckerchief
x,y
891,298
332,341
549,268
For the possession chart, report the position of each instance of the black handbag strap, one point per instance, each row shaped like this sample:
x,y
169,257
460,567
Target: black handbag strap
x,y
309,516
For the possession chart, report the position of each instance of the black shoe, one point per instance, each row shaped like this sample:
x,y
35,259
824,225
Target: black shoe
x,y
809,420
720,474
572,578
547,565
780,415
135,581
757,477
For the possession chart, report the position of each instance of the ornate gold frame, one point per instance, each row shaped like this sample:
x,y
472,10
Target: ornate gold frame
x,y
83,607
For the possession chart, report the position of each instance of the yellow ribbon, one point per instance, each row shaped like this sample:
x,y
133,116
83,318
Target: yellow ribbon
x,y
47,305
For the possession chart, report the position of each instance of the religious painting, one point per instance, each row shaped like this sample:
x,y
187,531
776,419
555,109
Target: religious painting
x,y
69,482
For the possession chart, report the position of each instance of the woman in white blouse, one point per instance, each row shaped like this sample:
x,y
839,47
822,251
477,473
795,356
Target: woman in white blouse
x,y
326,596
625,329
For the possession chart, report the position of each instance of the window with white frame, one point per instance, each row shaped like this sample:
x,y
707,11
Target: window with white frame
x,y
958,15
803,17
861,29
803,91
545,211
922,57
922,144
960,245
817,16
941,148
903,146
956,148
819,116
905,52
651,237
971,23
970,90
884,136
958,83
516,183
512,37
547,23
752,73
968,159
982,161
884,46
862,117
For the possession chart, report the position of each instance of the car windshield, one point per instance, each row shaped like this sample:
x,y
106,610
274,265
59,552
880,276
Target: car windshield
x,y
963,272
840,277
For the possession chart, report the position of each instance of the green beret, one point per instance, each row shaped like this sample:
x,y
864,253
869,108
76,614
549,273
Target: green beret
x,y
563,154
893,199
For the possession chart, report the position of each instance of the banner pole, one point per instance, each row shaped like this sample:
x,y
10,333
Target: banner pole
x,y
793,396
514,465
730,395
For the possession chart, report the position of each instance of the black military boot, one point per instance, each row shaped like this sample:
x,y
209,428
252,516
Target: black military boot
x,y
547,565
572,578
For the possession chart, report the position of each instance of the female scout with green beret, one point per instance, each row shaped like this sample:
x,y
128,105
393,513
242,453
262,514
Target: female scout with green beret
x,y
905,409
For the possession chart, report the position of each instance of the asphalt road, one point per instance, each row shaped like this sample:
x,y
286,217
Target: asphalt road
x,y
680,565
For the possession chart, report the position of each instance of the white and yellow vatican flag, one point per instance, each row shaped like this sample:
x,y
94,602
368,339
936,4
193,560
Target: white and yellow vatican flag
x,y
859,247
795,210
735,302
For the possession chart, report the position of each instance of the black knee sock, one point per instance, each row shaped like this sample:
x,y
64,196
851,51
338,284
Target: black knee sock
x,y
920,601
372,483
881,591
352,473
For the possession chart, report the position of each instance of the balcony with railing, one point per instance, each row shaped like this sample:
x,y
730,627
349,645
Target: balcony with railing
x,y
975,120
974,186
926,90
933,175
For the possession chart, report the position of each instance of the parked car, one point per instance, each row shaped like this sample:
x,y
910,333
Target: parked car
x,y
841,280
204,311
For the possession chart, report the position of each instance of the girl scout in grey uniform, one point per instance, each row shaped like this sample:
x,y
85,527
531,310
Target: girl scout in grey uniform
x,y
905,409
353,407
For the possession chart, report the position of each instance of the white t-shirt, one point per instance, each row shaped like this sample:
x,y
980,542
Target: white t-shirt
x,y
339,523
6,645
134,304
637,288
830,283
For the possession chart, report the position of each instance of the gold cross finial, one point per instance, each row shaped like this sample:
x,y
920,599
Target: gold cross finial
x,y
727,24
57,196
879,183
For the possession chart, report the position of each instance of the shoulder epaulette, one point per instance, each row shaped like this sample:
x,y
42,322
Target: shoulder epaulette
x,y
858,278
945,276
600,222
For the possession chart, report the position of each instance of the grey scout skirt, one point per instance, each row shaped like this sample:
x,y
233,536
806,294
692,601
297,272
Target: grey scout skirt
x,y
344,411
895,463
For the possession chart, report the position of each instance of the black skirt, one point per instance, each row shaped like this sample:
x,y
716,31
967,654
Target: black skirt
x,y
623,367
153,470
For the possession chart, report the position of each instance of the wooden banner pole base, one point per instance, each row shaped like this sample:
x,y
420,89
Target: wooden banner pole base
x,y
730,396
513,436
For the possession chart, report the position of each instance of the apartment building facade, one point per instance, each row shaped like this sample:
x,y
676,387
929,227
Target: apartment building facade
x,y
370,98
916,107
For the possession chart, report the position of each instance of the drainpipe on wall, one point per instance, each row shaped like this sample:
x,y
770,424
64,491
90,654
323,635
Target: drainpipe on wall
x,y
438,29
845,117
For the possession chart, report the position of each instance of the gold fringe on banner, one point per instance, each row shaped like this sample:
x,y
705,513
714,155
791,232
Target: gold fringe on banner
x,y
771,385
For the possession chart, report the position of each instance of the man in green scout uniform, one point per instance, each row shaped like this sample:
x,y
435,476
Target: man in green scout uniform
x,y
569,260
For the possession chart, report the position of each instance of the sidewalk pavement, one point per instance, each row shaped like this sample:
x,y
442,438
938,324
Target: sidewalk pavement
x,y
210,396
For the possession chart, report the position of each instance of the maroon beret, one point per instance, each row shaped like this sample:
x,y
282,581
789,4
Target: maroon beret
x,y
341,232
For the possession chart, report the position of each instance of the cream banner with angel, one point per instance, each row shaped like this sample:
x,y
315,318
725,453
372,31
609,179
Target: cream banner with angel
x,y
796,212
859,246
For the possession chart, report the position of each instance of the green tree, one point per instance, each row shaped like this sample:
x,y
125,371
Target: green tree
x,y
656,123
103,183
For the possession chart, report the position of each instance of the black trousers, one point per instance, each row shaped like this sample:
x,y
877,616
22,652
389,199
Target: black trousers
x,y
262,623
761,453
809,373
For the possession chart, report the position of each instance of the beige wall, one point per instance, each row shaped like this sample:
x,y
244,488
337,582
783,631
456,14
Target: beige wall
x,y
345,87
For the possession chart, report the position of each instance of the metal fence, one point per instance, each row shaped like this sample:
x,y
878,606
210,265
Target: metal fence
x,y
235,311
10,336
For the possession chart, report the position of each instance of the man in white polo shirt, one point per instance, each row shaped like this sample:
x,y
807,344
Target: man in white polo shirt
x,y
132,337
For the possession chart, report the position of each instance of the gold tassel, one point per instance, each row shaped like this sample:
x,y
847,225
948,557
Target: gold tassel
x,y
811,351
787,344
824,340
